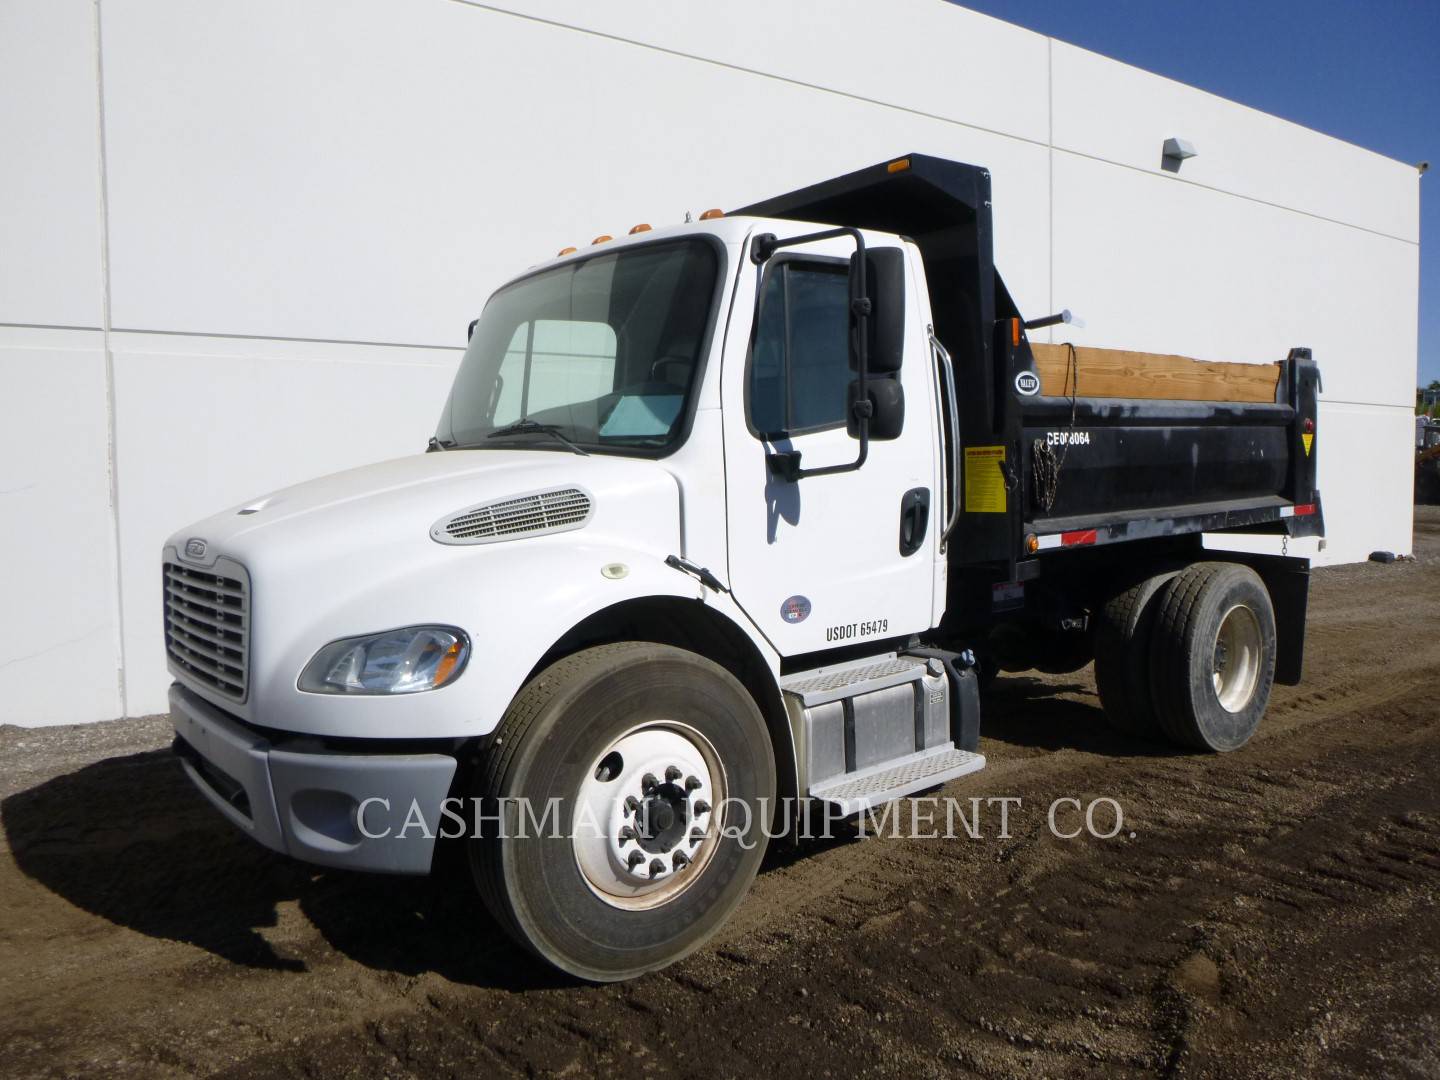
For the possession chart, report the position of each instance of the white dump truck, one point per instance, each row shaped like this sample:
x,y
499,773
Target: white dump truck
x,y
720,520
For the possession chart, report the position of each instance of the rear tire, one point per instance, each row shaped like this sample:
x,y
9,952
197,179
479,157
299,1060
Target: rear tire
x,y
598,731
1213,656
1123,629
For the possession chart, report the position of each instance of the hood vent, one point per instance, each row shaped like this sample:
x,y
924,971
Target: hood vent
x,y
540,512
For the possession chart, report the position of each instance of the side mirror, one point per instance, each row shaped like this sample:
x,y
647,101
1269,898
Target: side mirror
x,y
471,332
885,289
887,407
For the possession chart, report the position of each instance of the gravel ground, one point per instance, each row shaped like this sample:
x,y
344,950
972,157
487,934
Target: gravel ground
x,y
1266,913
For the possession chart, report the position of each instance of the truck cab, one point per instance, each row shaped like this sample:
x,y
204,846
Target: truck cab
x,y
722,522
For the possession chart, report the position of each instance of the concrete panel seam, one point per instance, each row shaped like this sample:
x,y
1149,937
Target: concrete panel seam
x,y
45,326
281,337
110,412
1235,195
1050,165
1408,410
1049,143
681,54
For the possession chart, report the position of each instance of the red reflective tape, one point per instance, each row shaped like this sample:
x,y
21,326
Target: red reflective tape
x,y
1080,536
1304,508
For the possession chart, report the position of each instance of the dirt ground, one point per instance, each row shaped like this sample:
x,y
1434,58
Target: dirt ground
x,y
1267,913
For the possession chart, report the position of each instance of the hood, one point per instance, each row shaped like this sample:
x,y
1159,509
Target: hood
x,y
354,553
397,502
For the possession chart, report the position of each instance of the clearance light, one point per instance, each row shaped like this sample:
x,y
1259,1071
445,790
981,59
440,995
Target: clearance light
x,y
602,239
711,215
901,165
639,229
1015,332
565,251
1032,544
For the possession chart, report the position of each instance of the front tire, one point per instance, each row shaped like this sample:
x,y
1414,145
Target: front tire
x,y
1213,656
653,752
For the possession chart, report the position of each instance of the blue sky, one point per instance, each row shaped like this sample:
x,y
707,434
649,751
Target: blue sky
x,y
1366,71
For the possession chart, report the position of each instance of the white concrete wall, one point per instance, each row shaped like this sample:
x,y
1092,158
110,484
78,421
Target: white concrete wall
x,y
239,242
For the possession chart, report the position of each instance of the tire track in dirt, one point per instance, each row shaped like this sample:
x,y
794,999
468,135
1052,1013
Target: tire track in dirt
x,y
1274,913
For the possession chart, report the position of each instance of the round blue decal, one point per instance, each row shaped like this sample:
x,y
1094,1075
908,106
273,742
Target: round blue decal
x,y
795,609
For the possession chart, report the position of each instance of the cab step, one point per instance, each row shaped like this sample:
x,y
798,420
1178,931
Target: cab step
x,y
853,793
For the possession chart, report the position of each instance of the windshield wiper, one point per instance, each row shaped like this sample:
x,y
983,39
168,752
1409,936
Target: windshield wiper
x,y
526,426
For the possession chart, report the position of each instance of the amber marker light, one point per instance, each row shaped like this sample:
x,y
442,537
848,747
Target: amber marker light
x,y
1032,544
899,165
639,229
446,667
565,251
603,238
711,215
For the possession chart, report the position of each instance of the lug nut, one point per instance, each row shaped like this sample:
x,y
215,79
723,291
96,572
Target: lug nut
x,y
680,860
696,835
648,783
691,783
672,773
631,804
701,807
634,859
627,833
656,868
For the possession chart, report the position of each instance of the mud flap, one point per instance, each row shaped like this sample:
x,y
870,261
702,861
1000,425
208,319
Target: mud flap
x,y
1288,581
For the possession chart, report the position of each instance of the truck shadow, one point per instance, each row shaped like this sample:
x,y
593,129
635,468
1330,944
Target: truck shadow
x,y
128,840
1044,714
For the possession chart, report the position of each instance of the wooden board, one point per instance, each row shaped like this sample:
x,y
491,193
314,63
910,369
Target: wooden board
x,y
1113,373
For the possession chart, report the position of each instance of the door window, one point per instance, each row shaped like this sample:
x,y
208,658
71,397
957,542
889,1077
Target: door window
x,y
800,361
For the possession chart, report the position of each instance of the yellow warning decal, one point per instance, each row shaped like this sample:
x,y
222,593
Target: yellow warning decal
x,y
984,481
1307,440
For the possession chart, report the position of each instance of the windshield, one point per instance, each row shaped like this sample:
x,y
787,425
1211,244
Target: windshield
x,y
602,351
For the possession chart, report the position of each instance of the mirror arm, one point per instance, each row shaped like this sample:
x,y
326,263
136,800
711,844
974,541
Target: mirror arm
x,y
786,464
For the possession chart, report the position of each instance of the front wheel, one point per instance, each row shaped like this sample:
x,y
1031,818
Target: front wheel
x,y
627,789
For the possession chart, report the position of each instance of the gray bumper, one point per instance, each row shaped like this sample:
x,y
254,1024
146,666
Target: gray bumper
x,y
307,804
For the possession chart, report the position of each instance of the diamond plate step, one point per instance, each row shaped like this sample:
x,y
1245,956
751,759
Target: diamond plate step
x,y
857,791
850,680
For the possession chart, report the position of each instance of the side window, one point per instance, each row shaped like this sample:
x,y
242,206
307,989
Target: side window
x,y
800,360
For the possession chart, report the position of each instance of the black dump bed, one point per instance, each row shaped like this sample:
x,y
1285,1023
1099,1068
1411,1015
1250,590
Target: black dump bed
x,y
1044,466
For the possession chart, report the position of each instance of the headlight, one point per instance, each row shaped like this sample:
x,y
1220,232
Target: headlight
x,y
403,661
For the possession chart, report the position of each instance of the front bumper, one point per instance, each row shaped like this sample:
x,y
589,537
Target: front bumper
x,y
307,803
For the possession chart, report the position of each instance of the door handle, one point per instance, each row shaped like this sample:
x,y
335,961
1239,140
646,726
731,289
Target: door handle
x,y
914,519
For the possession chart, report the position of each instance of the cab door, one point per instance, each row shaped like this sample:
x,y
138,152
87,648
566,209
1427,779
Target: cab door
x,y
841,559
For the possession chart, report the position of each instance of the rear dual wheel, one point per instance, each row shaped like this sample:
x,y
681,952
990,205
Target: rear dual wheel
x,y
657,764
1188,655
1212,656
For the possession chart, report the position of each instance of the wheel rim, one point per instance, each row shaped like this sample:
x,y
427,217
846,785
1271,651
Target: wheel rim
x,y
1236,665
645,822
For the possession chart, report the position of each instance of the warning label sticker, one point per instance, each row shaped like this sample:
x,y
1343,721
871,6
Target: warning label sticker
x,y
984,482
1307,440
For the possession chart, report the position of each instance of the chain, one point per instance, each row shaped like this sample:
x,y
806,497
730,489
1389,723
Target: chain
x,y
1044,461
1284,543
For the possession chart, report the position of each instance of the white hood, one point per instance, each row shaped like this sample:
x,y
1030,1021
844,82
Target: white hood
x,y
352,554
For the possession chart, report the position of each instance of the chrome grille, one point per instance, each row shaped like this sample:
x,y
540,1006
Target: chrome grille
x,y
526,515
207,625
